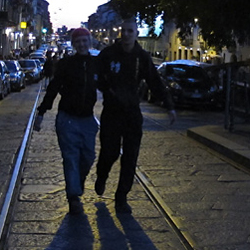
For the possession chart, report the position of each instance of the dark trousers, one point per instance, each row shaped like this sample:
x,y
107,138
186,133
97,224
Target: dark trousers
x,y
120,130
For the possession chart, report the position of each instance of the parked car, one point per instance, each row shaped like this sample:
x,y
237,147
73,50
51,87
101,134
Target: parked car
x,y
35,54
17,76
4,80
30,69
40,67
44,46
42,59
188,83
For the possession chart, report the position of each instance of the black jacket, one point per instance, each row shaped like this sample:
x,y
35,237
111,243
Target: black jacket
x,y
48,68
120,74
74,79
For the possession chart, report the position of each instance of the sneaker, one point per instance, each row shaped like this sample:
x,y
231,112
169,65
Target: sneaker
x,y
123,208
100,186
75,207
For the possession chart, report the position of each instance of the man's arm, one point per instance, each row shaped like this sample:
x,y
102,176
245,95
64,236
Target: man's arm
x,y
162,93
52,90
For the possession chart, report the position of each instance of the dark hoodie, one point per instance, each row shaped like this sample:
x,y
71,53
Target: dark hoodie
x,y
120,74
74,79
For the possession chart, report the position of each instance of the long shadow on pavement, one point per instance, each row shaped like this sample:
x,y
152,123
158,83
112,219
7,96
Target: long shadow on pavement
x,y
74,234
130,235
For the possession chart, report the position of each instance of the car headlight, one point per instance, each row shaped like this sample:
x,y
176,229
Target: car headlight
x,y
175,85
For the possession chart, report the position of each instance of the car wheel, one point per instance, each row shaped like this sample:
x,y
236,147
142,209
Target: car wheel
x,y
23,85
2,92
19,88
5,90
150,97
9,90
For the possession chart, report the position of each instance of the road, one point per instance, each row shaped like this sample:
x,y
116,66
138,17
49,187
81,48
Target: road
x,y
201,190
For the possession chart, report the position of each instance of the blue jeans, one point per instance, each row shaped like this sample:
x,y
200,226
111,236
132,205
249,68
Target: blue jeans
x,y
76,138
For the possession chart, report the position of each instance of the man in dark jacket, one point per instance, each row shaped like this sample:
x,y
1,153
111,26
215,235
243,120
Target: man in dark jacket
x,y
121,68
48,69
76,127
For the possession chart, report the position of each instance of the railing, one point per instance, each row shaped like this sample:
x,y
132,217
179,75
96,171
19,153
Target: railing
x,y
234,81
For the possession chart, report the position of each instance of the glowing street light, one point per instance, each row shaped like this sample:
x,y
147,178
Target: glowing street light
x,y
44,30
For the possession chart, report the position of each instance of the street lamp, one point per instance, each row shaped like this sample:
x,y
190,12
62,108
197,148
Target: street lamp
x,y
44,31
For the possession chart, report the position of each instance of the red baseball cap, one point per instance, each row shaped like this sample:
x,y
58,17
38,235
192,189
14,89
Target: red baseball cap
x,y
79,32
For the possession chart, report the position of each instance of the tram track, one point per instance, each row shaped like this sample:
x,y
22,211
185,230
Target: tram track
x,y
184,237
167,214
8,206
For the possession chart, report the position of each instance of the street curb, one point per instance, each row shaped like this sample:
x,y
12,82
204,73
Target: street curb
x,y
230,149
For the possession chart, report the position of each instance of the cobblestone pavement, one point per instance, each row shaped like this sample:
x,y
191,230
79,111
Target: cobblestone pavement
x,y
15,111
41,220
209,198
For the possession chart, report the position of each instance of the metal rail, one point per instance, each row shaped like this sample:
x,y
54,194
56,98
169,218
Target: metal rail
x,y
177,226
162,207
13,183
166,212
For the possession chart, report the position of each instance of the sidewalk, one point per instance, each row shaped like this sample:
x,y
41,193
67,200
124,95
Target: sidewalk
x,y
234,145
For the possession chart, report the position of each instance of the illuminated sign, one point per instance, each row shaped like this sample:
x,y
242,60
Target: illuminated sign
x,y
23,25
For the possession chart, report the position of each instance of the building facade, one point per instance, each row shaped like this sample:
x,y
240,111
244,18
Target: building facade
x,y
21,23
104,25
168,47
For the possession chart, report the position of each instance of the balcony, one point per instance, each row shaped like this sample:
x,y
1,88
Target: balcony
x,y
9,17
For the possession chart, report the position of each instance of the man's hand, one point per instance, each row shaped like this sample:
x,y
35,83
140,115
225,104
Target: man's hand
x,y
172,116
37,123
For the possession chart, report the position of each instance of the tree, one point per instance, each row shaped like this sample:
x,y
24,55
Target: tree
x,y
222,23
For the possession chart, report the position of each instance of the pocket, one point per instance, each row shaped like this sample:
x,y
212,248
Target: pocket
x,y
62,120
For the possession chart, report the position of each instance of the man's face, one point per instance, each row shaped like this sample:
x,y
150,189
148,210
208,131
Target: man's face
x,y
82,44
129,33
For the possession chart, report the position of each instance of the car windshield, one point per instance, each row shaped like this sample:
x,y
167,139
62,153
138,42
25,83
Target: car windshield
x,y
36,54
184,71
11,66
27,64
42,60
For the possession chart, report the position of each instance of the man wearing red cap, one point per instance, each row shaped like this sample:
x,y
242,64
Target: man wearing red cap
x,y
76,127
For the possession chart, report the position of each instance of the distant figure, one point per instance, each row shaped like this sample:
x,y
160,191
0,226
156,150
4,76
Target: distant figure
x,y
48,70
55,60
